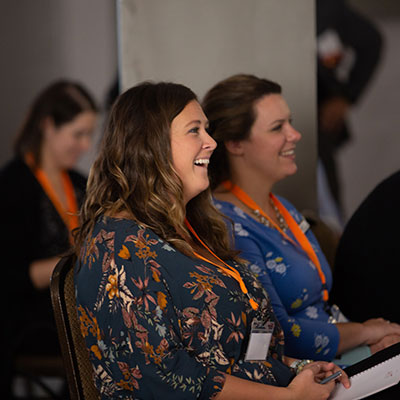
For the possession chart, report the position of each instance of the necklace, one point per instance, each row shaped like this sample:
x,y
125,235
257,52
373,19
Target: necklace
x,y
281,221
293,226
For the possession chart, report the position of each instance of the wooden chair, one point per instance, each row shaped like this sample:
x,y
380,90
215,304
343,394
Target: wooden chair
x,y
78,368
327,238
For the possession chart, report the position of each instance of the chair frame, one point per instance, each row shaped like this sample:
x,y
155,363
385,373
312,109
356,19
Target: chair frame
x,y
65,333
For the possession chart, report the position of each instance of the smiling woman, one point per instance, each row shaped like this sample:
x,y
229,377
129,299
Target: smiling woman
x,y
166,306
251,123
191,148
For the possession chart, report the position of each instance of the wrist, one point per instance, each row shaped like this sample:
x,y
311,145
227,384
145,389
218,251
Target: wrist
x,y
298,365
365,333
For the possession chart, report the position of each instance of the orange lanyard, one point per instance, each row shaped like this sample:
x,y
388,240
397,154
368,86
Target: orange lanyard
x,y
230,271
301,238
69,215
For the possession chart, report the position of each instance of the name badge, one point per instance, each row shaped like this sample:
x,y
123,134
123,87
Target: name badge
x,y
337,315
260,338
304,225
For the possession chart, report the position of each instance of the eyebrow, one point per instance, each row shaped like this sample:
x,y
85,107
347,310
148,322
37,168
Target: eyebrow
x,y
281,120
196,121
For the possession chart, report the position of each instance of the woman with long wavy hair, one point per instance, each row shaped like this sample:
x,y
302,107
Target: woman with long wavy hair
x,y
166,307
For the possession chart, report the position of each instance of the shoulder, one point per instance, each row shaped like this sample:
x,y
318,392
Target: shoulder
x,y
77,178
382,201
18,184
123,229
388,187
14,170
291,208
230,209
386,194
288,205
126,241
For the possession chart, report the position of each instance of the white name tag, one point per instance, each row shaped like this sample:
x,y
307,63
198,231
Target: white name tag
x,y
260,338
337,315
304,226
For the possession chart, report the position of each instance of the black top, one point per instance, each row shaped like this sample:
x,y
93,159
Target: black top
x,y
365,283
31,229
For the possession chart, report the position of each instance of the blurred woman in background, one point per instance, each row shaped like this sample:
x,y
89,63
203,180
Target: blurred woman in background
x,y
40,198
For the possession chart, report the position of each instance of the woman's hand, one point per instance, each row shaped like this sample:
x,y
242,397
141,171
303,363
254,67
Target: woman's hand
x,y
384,342
371,332
306,385
326,369
377,329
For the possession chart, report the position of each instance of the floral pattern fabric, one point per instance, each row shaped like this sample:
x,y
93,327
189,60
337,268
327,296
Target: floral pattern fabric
x,y
159,324
290,279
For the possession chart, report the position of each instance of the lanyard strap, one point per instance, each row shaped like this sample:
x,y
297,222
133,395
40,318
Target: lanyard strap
x,y
229,270
301,238
68,215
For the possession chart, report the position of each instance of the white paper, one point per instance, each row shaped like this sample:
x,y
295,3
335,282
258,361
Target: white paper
x,y
370,381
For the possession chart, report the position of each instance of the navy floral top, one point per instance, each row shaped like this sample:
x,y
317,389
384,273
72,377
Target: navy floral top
x,y
159,324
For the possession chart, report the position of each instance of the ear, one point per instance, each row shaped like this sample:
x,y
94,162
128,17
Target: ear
x,y
47,126
234,147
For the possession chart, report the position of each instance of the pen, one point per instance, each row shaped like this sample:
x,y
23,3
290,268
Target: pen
x,y
329,378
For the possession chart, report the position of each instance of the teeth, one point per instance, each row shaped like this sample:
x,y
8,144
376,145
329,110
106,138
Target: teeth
x,y
202,161
287,153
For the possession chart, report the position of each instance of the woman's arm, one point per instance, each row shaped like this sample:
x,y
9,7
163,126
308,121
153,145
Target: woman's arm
x,y
304,386
304,338
40,271
300,332
370,332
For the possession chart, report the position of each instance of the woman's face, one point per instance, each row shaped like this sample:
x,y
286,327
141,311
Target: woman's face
x,y
191,148
65,144
270,149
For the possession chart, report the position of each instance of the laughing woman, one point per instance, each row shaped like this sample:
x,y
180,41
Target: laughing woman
x,y
166,308
251,122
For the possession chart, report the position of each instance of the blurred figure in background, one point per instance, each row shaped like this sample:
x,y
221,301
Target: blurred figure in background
x,y
366,266
349,48
41,195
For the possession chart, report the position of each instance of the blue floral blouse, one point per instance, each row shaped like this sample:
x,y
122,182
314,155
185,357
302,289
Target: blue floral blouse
x,y
291,281
161,325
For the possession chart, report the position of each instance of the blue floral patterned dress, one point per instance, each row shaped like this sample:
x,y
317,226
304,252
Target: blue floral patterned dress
x,y
161,325
291,281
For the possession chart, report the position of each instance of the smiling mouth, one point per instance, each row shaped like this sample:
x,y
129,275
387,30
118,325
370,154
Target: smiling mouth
x,y
201,162
288,153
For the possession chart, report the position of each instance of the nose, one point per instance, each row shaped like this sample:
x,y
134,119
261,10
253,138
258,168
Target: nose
x,y
208,142
293,135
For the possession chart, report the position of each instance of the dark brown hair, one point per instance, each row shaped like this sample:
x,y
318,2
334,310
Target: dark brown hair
x,y
229,107
134,172
62,101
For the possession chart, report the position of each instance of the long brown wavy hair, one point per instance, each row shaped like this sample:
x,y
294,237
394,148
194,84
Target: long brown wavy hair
x,y
134,173
229,107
